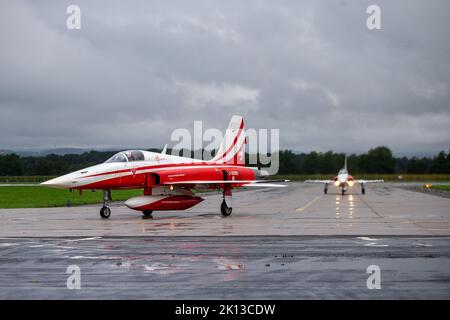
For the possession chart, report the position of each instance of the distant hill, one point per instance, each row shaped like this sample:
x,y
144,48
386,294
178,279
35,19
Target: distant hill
x,y
5,151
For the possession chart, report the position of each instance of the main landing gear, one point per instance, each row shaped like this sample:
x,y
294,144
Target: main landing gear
x,y
226,206
225,209
105,211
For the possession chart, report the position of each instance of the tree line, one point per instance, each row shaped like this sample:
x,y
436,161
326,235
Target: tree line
x,y
377,160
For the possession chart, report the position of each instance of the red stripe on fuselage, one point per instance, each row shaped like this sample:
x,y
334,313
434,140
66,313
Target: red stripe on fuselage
x,y
168,165
177,175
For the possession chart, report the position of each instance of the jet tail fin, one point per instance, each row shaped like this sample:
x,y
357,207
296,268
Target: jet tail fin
x,y
232,148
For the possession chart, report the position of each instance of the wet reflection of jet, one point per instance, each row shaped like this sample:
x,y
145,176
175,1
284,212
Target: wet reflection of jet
x,y
344,180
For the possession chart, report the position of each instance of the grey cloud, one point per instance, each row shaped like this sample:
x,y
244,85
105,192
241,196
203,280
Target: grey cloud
x,y
137,70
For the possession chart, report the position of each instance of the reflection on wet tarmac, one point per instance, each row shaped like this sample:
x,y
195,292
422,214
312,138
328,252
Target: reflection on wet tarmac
x,y
338,202
226,267
345,205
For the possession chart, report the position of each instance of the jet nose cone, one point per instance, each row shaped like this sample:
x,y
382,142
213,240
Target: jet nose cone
x,y
60,182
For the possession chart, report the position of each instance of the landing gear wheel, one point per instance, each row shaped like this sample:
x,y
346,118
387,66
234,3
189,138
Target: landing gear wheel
x,y
363,191
105,212
226,210
147,214
343,191
325,191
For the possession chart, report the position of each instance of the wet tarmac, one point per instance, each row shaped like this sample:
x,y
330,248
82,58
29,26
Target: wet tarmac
x,y
286,243
289,267
300,209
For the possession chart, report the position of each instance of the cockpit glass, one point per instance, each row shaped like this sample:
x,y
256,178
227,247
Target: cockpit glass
x,y
125,156
135,155
118,157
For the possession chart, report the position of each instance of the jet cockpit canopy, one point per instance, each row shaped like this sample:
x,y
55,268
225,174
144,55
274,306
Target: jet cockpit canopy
x,y
127,156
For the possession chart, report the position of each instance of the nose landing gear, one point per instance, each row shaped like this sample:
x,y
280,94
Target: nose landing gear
x,y
105,211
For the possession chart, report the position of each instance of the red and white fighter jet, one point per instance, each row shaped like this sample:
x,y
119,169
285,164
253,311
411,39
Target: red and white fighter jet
x,y
167,181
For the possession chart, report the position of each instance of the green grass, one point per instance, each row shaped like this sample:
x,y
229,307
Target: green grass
x,y
445,188
42,197
24,179
385,177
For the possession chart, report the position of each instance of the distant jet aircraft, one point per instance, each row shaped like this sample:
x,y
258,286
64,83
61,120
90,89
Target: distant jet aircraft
x,y
344,179
167,181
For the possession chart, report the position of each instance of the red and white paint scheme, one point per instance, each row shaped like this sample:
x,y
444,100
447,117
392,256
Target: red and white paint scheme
x,y
344,180
167,181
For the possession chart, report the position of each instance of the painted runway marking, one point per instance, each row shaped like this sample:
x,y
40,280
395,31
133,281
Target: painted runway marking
x,y
367,239
373,244
83,239
8,244
423,245
308,204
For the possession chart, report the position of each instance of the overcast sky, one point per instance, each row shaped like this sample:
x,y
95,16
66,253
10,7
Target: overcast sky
x,y
137,70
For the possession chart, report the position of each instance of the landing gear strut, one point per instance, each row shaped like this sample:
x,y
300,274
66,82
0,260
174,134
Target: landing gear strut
x,y
226,206
105,211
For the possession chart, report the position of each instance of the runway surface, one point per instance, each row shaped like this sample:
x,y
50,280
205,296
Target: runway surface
x,y
225,268
278,244
300,209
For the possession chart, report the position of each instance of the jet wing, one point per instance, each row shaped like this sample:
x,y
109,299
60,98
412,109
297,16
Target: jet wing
x,y
265,185
369,181
319,181
244,183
